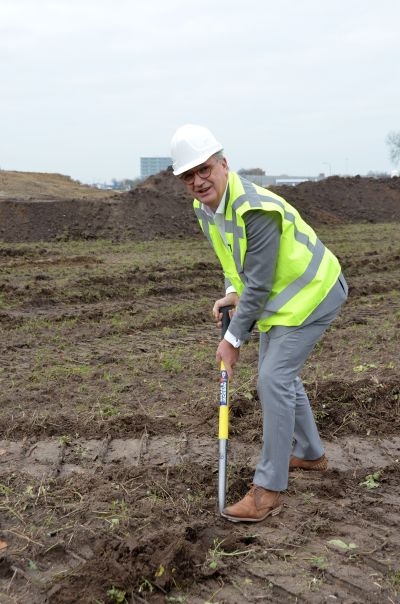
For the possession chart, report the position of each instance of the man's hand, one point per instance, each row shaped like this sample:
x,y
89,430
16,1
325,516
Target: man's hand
x,y
227,300
229,355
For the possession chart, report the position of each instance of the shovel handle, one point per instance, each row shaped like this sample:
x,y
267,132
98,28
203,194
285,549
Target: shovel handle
x,y
223,427
225,318
224,381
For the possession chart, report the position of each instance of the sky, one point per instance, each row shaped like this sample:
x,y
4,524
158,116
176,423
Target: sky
x,y
293,87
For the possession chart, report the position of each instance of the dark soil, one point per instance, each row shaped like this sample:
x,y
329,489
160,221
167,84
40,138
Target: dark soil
x,y
108,446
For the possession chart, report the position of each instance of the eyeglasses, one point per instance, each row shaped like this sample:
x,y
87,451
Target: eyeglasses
x,y
204,172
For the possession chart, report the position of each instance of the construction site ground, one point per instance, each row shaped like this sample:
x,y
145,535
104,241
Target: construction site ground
x,y
109,406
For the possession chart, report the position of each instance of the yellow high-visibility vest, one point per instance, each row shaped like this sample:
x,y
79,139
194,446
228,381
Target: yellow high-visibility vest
x,y
306,270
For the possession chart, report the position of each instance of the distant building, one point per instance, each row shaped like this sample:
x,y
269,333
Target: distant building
x,y
292,181
265,180
153,165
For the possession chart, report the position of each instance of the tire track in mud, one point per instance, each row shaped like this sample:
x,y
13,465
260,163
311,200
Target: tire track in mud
x,y
64,456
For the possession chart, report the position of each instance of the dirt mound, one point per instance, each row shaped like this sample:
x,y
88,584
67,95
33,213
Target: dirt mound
x,y
159,207
44,185
46,207
338,199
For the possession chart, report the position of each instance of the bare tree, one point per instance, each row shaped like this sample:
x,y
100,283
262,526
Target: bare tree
x,y
258,171
393,141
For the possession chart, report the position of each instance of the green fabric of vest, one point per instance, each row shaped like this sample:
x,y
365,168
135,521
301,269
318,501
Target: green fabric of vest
x,y
306,270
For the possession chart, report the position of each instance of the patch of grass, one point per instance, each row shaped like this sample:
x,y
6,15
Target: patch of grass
x,y
372,481
107,410
3,303
216,553
145,586
5,490
117,513
318,562
171,361
394,578
117,595
60,372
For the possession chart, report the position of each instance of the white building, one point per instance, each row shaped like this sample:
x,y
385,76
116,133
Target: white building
x,y
267,180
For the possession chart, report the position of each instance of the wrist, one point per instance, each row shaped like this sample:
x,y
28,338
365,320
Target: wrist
x,y
233,340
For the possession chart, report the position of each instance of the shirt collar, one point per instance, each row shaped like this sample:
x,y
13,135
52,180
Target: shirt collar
x,y
221,206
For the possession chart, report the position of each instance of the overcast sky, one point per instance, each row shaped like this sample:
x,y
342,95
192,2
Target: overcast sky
x,y
290,86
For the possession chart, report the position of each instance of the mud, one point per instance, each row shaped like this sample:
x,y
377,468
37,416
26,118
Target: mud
x,y
109,396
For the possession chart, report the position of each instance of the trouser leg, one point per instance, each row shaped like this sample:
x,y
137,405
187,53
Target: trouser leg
x,y
285,406
306,441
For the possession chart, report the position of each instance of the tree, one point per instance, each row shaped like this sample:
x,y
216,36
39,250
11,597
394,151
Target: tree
x,y
393,141
124,185
258,171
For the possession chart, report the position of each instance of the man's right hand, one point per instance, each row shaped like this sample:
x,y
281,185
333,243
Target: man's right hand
x,y
229,299
229,355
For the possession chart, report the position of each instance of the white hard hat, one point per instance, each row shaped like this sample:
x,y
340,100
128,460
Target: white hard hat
x,y
192,145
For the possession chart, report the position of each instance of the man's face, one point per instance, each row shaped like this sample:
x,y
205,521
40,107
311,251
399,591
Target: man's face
x,y
207,182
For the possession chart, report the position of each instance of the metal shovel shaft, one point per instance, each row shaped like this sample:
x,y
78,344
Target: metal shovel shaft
x,y
222,474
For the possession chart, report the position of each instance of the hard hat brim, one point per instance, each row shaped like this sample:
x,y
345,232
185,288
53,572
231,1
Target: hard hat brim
x,y
197,162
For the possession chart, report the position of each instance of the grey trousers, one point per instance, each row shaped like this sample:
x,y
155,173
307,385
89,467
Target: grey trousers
x,y
288,423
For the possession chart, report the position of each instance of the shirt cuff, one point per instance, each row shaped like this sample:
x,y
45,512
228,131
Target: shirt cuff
x,y
236,343
230,290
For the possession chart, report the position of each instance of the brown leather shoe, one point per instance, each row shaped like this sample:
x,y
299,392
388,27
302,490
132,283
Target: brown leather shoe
x,y
255,506
316,465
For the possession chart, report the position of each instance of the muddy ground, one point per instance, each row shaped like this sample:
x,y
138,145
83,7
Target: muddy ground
x,y
109,410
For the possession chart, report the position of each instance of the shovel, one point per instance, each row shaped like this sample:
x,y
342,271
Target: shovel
x,y
223,428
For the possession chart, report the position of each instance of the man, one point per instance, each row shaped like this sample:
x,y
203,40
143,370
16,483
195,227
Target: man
x,y
280,277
